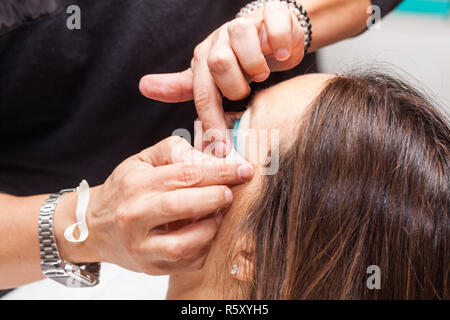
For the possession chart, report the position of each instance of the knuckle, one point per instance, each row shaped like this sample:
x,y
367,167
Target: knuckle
x,y
220,61
210,234
124,219
257,66
176,147
238,26
128,183
198,53
242,93
175,251
174,140
168,205
201,97
190,174
225,172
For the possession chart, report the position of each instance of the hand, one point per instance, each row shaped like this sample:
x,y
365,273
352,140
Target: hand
x,y
243,50
157,213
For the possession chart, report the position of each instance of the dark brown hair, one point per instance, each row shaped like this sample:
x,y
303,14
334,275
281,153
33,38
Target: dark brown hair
x,y
365,183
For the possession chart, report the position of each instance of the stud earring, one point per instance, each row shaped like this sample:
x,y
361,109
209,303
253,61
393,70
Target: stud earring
x,y
234,269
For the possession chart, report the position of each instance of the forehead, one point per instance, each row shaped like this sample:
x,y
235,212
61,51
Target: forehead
x,y
279,107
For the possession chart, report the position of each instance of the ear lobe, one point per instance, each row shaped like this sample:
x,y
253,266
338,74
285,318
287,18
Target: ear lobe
x,y
243,266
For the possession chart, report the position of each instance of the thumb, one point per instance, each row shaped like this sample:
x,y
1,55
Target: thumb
x,y
168,87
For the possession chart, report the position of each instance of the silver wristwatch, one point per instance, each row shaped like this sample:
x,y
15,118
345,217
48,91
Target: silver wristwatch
x,y
53,267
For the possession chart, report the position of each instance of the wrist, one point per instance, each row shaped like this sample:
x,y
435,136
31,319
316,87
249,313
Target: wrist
x,y
81,252
327,29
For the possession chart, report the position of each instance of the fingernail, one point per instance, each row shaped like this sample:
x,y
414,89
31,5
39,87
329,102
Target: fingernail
x,y
282,54
220,149
261,77
229,145
228,195
245,171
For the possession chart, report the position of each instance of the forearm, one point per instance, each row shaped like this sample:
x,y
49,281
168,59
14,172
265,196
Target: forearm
x,y
19,240
335,20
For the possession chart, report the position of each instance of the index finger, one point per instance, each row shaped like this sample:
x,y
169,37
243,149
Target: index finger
x,y
208,102
173,149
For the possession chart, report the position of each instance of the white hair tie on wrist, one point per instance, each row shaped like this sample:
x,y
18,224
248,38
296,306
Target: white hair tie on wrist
x,y
83,194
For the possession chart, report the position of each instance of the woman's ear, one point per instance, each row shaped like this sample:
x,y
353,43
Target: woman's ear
x,y
243,267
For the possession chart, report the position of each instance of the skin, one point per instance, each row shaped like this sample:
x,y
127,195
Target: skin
x,y
248,49
130,216
238,52
275,108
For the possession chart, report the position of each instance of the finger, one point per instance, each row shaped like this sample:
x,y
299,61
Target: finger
x,y
173,149
168,87
297,52
264,41
225,69
182,204
181,266
244,40
297,33
277,19
208,103
196,174
199,143
198,135
184,246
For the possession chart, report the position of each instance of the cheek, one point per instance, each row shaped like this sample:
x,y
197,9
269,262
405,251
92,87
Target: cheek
x,y
225,240
243,196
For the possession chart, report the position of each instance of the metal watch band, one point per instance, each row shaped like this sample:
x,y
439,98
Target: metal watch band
x,y
47,243
52,266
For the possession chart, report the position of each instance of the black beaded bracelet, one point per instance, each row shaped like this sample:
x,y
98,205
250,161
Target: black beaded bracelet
x,y
295,8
